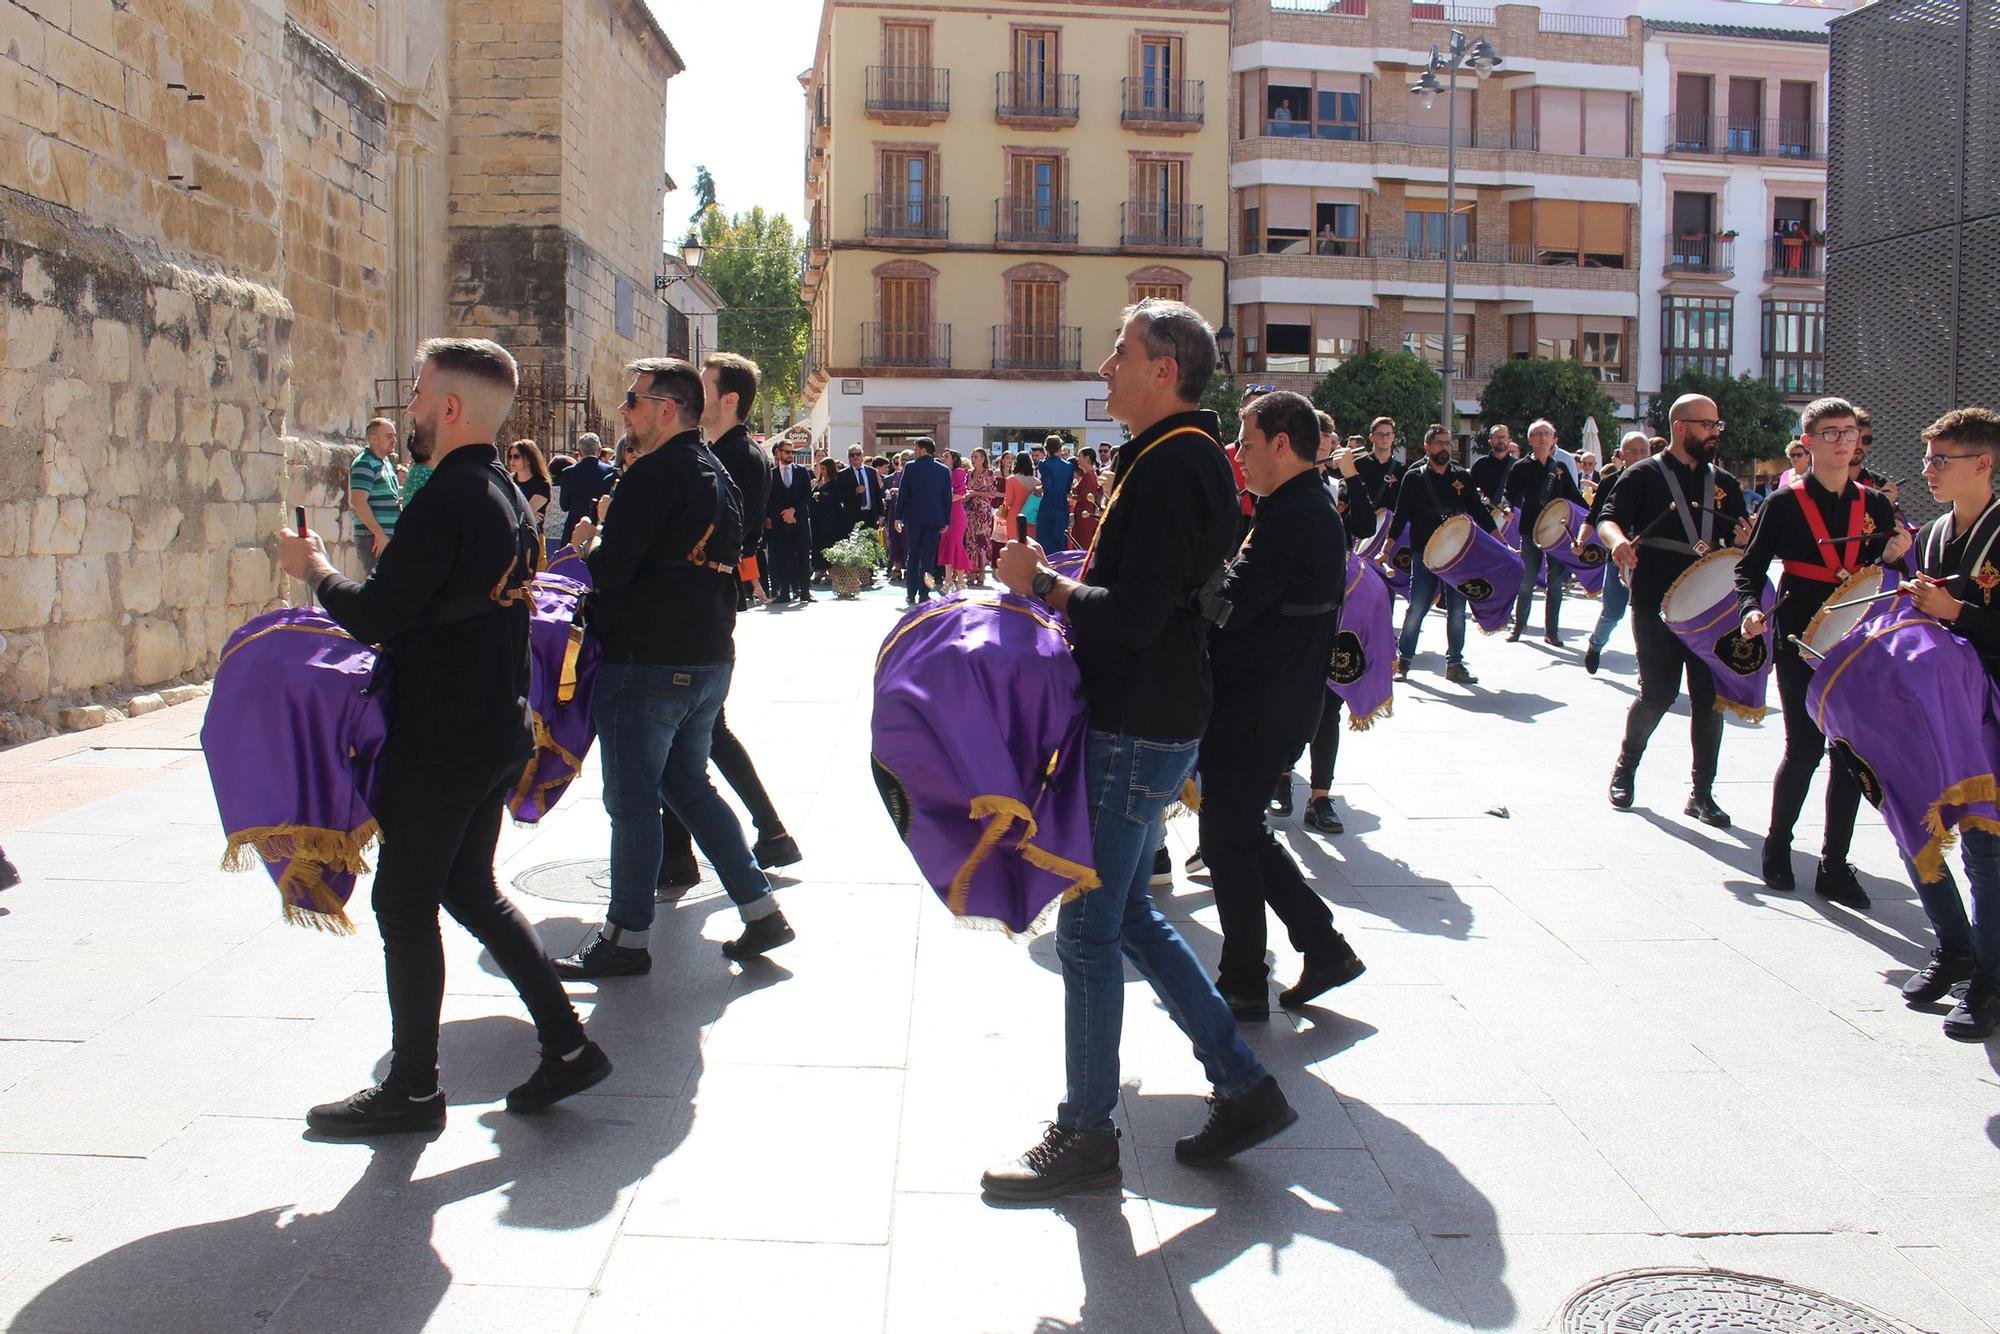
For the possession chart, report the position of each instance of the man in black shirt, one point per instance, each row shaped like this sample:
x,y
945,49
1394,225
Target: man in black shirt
x,y
1665,514
663,604
729,384
1271,657
448,606
1139,622
1430,494
1380,469
1824,527
1532,483
1490,473
1617,596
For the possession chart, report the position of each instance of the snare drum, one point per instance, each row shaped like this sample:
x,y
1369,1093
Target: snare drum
x,y
1700,608
1556,529
1832,622
1474,562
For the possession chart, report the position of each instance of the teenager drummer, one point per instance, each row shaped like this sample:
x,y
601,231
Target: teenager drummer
x,y
1958,555
1824,527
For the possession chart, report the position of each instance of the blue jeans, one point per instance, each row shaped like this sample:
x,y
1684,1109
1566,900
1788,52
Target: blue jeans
x,y
1423,591
1979,936
1532,558
1616,598
653,727
1132,781
921,558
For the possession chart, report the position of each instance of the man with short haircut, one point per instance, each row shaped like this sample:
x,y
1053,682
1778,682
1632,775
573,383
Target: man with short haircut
x,y
1139,621
923,512
866,498
584,482
729,387
1632,447
1490,473
449,603
664,607
1666,513
1959,583
1380,469
1532,483
1430,494
373,493
787,536
1056,472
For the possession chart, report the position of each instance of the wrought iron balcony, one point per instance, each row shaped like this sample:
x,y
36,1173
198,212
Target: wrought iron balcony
x,y
908,217
1746,136
1037,347
1796,257
1147,222
1051,221
1350,9
1041,97
912,89
1710,255
1163,102
909,346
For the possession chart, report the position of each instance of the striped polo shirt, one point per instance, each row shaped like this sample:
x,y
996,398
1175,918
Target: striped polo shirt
x,y
377,477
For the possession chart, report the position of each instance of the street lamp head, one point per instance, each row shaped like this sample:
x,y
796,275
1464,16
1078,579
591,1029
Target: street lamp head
x,y
1483,57
1225,343
1427,89
692,251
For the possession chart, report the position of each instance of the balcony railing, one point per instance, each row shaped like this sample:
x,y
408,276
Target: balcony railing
x,y
1018,96
1397,247
1148,222
1349,9
1741,136
1460,16
1163,101
1796,257
1051,221
1037,347
1581,25
1701,254
1795,376
908,216
912,346
921,89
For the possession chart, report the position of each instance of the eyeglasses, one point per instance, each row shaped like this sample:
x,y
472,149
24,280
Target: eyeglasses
x,y
1932,462
632,399
1714,422
1837,435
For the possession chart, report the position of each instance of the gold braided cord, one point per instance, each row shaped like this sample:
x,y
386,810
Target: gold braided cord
x,y
1930,859
527,788
326,631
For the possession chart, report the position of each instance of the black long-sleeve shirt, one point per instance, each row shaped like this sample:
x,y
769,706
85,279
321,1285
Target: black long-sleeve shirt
x,y
1429,497
1642,496
1170,521
652,603
1351,497
749,467
1979,620
1532,484
460,668
1381,479
1490,474
1782,533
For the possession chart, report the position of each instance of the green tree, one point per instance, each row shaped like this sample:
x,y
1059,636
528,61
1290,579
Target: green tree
x,y
1562,390
753,261
1760,422
1383,384
1220,398
704,195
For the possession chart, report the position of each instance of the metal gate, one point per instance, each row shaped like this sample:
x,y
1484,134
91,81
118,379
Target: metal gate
x,y
549,408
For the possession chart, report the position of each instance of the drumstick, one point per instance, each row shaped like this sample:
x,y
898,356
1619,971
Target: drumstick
x,y
1862,602
1882,536
1804,647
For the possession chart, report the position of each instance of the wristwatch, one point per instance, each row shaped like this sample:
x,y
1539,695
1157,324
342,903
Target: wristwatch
x,y
1043,584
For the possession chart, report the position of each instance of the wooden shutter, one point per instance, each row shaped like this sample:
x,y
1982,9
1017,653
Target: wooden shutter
x,y
906,45
1558,226
1604,229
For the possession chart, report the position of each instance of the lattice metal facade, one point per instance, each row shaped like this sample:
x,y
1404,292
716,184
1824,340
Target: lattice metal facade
x,y
1913,206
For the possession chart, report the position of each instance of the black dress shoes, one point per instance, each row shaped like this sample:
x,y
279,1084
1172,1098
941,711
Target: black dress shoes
x,y
599,957
1591,657
1323,815
379,1109
556,1078
1701,805
1514,633
1281,798
1552,639
1063,1162
1837,883
780,849
760,936
1247,1009
1321,975
1623,776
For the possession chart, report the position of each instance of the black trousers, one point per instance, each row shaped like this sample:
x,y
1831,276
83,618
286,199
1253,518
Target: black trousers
x,y
439,829
785,564
1324,748
1804,744
734,762
1251,872
1662,661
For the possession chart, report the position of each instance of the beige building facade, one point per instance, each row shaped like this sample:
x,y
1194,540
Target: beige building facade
x,y
224,226
988,184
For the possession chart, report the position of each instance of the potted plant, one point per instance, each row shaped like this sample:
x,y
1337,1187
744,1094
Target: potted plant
x,y
1819,238
851,562
1729,235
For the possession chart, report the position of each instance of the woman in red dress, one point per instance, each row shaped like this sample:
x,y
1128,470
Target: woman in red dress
x,y
982,494
1086,499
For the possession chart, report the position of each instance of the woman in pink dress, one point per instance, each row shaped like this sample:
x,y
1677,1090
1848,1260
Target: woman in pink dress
x,y
982,494
951,548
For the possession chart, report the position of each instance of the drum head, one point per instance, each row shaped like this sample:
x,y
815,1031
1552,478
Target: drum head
x,y
1449,542
1702,586
1553,526
1829,627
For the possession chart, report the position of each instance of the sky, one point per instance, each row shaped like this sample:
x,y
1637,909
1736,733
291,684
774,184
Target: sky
x,y
738,109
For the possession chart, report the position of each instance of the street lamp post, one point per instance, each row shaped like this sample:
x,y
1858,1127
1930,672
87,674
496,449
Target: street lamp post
x,y
1478,57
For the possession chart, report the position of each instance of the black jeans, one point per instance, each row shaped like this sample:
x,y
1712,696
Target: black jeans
x,y
1324,746
439,829
1250,871
1662,660
1804,744
734,761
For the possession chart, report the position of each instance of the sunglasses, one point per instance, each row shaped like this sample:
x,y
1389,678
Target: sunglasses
x,y
632,399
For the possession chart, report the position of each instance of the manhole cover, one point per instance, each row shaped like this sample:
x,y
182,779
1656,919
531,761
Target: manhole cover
x,y
1713,1301
589,881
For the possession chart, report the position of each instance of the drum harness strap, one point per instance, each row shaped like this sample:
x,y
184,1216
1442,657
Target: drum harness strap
x,y
1699,541
512,585
1206,601
1824,570
1976,551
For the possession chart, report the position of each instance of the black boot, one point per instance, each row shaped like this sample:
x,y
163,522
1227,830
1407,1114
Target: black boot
x,y
760,936
1592,655
1281,797
1236,1124
1935,979
780,849
1064,1161
1837,883
1624,775
1323,973
1778,866
1975,1017
1701,805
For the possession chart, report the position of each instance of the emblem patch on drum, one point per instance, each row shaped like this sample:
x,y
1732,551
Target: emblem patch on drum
x,y
1594,555
1350,660
1871,784
1477,589
1401,561
894,796
1745,657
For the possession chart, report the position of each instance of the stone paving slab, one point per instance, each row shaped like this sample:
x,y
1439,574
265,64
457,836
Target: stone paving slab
x,y
1586,1042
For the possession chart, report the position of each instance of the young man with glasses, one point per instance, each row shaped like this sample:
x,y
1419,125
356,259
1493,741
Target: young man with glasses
x,y
1380,469
1823,528
1958,557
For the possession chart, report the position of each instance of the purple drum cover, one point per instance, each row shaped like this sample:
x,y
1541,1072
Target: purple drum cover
x,y
978,753
1510,529
1913,711
1485,571
1589,568
1391,555
570,565
291,738
561,684
1364,653
1700,608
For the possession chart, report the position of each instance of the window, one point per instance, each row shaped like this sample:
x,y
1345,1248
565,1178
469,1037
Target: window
x,y
1035,69
1287,111
1423,234
1159,180
1339,114
1798,135
1253,234
1430,346
906,60
1159,292
1035,335
622,315
1037,209
905,335
1567,232
1695,334
1746,110
1337,229
906,205
1604,354
1159,68
1288,347
1299,338
1793,353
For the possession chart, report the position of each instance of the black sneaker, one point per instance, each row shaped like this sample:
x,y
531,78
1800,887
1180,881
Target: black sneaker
x,y
1064,1161
1975,1016
1777,867
1321,975
555,1079
1281,797
1591,657
1236,1124
677,877
1247,1009
1837,883
766,933
1459,674
1934,981
1701,805
599,957
778,850
1195,863
379,1109
1323,815
1163,867
9,877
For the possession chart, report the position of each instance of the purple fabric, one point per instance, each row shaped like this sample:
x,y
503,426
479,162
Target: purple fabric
x,y
291,738
563,730
1068,564
1711,627
1364,656
1589,568
1510,529
1486,571
1920,719
977,746
1391,554
570,565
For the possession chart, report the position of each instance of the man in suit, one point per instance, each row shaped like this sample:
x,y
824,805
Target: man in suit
x,y
786,537
923,508
865,497
583,482
1056,472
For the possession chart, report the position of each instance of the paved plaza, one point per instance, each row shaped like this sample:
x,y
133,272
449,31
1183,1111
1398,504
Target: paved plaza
x,y
1586,1042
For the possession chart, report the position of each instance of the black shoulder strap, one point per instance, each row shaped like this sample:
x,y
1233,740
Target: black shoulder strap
x,y
512,585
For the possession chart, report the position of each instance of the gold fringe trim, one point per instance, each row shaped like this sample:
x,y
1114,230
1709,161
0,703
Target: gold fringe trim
x,y
1929,859
1188,803
1357,723
1748,713
544,740
1001,815
308,900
